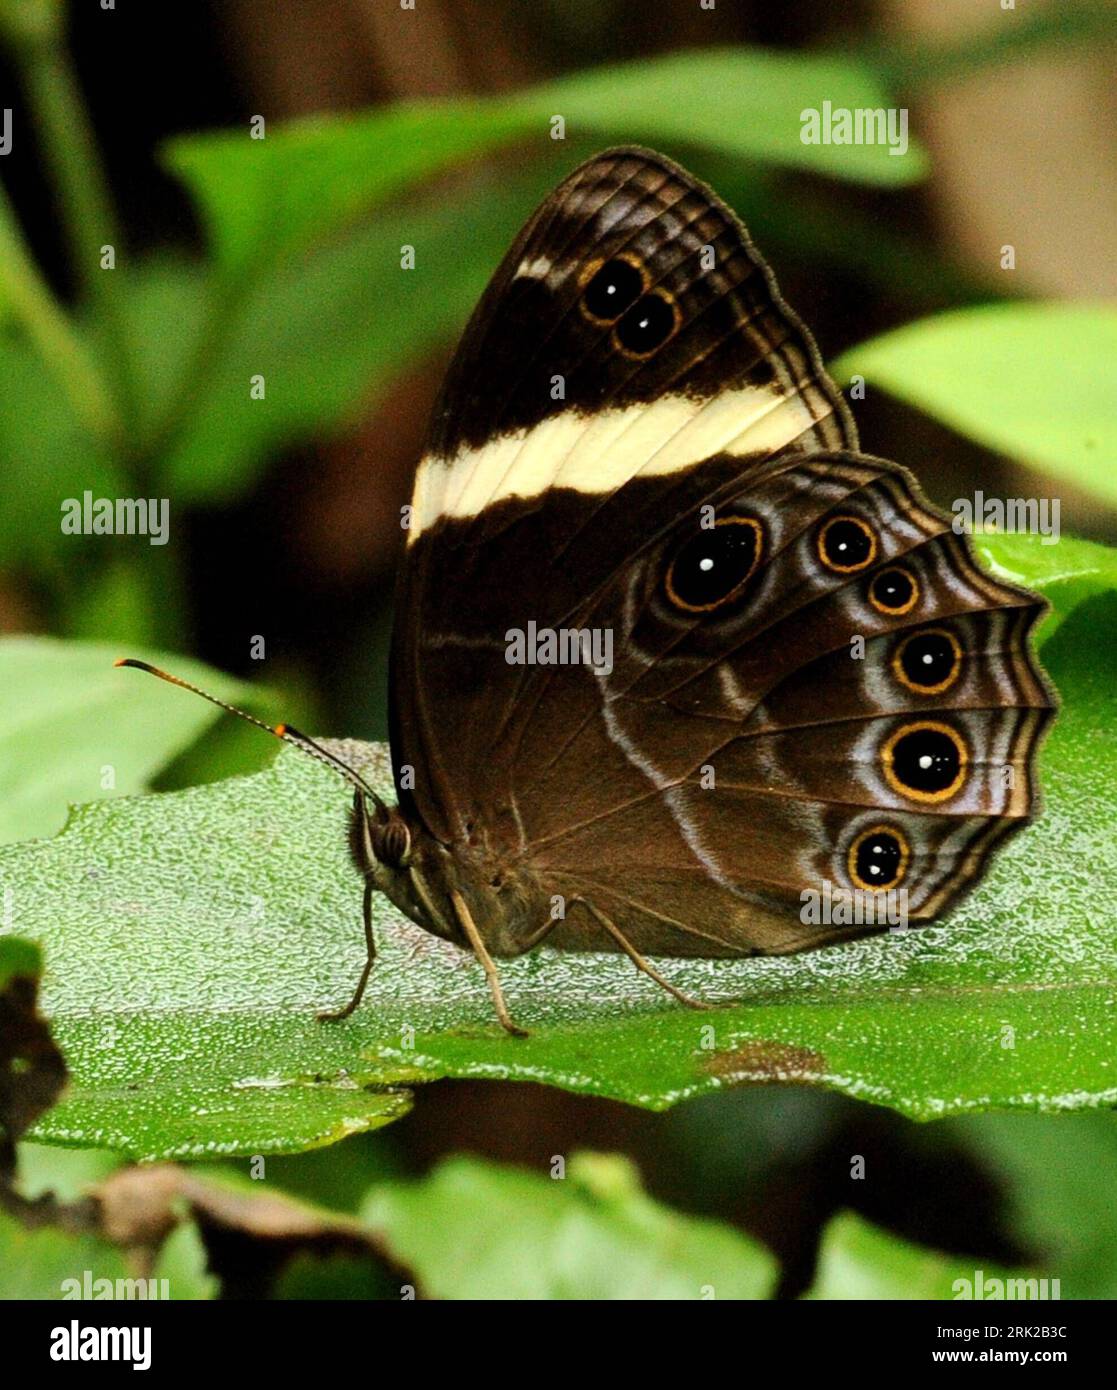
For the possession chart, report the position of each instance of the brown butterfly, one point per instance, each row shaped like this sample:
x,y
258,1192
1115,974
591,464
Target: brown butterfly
x,y
669,650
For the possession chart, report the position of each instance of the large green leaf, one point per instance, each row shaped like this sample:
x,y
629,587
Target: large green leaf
x,y
271,196
589,1233
72,730
190,937
1036,381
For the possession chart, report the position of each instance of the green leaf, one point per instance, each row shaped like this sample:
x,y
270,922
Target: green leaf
x,y
70,723
859,1261
190,937
329,333
1066,573
1035,381
165,1059
272,197
67,1173
333,1279
215,1110
593,1234
182,1262
747,102
52,1264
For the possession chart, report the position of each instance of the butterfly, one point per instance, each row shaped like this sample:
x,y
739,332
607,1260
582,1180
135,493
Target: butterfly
x,y
670,651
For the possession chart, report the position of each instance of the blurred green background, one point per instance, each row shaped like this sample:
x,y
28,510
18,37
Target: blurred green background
x,y
388,127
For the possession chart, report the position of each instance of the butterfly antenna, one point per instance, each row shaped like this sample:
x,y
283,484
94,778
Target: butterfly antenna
x,y
308,745
282,731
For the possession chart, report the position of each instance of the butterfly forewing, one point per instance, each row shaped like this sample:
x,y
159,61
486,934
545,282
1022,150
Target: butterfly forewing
x,y
542,402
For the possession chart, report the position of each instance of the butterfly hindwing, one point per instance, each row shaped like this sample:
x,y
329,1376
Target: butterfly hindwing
x,y
771,731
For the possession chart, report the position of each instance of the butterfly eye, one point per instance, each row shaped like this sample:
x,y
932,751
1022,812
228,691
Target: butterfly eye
x,y
925,761
928,662
647,325
894,591
846,544
878,858
611,290
713,567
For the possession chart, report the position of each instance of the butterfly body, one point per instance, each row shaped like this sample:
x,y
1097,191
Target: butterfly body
x,y
505,898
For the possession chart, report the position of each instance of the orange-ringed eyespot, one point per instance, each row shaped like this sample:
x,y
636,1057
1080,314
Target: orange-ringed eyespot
x,y
878,858
611,289
647,325
712,567
846,544
894,590
928,661
925,761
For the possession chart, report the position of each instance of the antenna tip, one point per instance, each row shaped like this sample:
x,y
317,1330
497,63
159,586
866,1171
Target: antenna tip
x,y
131,661
280,730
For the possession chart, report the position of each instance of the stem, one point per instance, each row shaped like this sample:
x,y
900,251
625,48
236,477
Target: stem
x,y
52,332
88,216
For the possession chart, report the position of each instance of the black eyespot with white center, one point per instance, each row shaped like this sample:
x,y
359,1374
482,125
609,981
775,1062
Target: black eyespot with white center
x,y
894,590
611,289
647,325
928,662
925,761
712,568
878,858
847,544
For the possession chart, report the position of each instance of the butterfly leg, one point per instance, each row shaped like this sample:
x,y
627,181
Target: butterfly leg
x,y
540,934
333,1015
465,917
637,959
